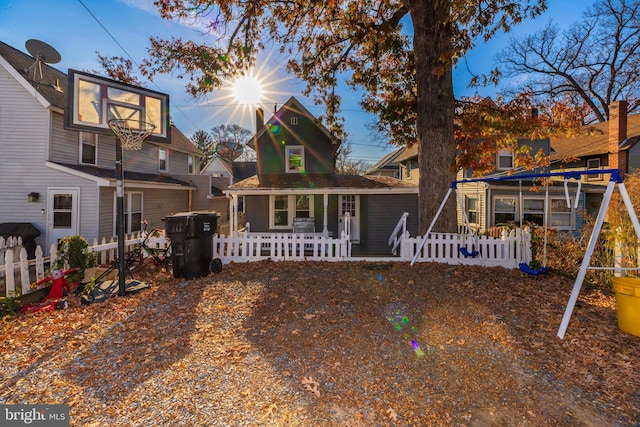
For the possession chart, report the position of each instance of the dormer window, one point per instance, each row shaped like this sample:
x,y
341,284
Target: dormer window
x,y
505,160
294,159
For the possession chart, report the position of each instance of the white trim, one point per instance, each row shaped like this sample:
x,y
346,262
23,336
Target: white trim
x,y
331,190
291,209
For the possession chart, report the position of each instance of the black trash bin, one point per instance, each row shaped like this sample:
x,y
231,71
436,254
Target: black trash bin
x,y
27,231
191,235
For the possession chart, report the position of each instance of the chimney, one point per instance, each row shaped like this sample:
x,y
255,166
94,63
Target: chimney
x,y
617,134
259,119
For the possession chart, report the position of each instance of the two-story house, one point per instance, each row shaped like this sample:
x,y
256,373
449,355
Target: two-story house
x,y
62,181
296,179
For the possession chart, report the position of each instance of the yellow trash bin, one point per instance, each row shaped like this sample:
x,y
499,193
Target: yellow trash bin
x,y
627,291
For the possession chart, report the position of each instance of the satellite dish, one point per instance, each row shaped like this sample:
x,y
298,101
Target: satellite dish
x,y
42,52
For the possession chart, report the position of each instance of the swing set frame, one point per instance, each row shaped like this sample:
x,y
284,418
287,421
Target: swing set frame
x,y
615,179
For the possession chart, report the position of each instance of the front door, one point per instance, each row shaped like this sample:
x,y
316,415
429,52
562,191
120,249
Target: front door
x,y
62,213
350,203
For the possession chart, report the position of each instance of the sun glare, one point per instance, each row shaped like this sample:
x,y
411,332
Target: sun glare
x,y
247,90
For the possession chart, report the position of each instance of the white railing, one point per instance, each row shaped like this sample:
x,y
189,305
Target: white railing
x,y
398,233
246,247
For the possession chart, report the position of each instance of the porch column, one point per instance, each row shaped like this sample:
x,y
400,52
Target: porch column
x,y
325,230
234,208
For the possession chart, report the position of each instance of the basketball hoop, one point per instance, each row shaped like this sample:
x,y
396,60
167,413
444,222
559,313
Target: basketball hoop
x,y
131,132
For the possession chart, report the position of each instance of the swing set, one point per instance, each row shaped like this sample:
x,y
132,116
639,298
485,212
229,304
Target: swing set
x,y
615,179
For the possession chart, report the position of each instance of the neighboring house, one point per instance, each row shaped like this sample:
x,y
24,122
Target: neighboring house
x,y
408,161
296,180
62,181
608,145
388,165
223,173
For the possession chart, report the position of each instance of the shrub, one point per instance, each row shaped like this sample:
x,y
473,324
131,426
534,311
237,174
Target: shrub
x,y
72,251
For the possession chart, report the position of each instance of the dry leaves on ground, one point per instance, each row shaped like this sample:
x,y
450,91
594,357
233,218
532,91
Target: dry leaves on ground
x,y
345,344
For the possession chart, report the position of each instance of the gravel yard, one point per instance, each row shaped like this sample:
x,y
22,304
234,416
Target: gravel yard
x,y
331,344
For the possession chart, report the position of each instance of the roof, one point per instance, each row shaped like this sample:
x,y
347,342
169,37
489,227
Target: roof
x,y
53,87
53,83
390,160
322,183
410,153
128,175
294,105
593,140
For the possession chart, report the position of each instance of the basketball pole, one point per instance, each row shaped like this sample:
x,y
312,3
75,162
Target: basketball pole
x,y
120,217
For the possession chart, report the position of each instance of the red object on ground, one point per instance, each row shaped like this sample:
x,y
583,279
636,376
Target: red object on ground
x,y
59,289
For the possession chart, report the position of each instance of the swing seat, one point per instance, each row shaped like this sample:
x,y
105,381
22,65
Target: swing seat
x,y
464,251
533,272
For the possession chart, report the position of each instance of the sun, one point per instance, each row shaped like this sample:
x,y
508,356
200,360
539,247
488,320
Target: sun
x,y
247,90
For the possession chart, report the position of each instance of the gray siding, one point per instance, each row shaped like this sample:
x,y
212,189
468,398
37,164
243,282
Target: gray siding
x,y
382,214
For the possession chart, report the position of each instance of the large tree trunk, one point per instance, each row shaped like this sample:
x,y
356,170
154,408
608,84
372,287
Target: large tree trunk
x,y
435,110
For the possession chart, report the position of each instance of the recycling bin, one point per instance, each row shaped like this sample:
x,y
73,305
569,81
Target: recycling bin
x,y
191,235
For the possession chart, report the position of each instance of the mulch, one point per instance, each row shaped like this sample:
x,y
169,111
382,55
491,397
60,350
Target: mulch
x,y
331,344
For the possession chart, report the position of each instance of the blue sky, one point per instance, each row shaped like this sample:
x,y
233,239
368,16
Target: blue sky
x,y
124,29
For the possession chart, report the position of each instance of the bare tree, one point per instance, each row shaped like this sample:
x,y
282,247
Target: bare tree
x,y
595,62
204,141
346,165
229,143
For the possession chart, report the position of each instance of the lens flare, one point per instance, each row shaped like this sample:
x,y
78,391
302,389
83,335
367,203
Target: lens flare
x,y
247,90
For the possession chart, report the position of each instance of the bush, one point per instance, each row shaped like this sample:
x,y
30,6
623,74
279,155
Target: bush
x,y
72,251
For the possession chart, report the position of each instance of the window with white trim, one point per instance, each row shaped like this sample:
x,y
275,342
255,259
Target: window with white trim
x,y
472,210
504,160
163,160
283,208
132,212
294,120
533,211
504,209
190,163
294,158
593,164
561,214
88,148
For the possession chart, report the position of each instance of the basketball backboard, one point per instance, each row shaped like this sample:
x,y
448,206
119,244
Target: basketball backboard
x,y
94,100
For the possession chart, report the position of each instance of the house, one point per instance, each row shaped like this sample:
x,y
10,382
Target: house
x,y
388,165
296,187
609,145
62,181
223,173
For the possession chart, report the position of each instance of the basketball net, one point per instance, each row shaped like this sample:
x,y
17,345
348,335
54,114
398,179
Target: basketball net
x,y
131,132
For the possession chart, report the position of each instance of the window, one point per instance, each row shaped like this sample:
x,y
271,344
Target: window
x,y
533,211
505,160
280,216
88,148
162,160
593,164
294,159
133,212
504,210
472,210
294,120
62,210
190,163
561,214
283,208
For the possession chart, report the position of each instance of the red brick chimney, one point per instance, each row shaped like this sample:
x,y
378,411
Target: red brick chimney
x,y
617,134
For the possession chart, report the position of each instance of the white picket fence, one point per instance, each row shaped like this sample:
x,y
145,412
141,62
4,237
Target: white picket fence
x,y
507,251
18,273
247,247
